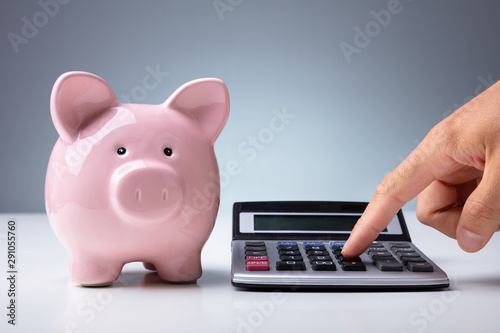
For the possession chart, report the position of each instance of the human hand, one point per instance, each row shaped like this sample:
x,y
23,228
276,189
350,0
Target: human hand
x,y
456,170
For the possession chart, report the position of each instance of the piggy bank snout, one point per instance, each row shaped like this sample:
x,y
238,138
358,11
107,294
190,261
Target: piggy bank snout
x,y
148,194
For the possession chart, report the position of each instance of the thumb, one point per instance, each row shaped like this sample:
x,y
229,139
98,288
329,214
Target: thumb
x,y
480,216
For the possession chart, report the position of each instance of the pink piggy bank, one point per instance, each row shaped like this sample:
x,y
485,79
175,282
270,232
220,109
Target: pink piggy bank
x,y
131,182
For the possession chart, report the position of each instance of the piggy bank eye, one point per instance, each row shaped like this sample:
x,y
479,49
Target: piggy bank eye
x,y
121,151
167,151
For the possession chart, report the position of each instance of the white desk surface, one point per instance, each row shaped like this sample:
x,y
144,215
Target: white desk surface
x,y
140,302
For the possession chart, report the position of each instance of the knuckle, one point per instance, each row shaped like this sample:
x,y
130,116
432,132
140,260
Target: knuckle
x,y
427,217
423,216
443,137
422,212
384,187
478,212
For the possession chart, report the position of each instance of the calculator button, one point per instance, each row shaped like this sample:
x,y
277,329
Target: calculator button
x,y
255,253
317,253
288,247
290,266
255,243
400,245
256,258
371,248
323,266
342,258
255,248
348,265
384,257
257,265
408,255
384,264
379,254
287,243
289,253
336,245
320,258
401,250
291,258
306,244
377,245
406,260
337,252
314,248
420,267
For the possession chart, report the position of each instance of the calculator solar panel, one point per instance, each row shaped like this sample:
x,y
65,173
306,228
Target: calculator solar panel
x,y
298,245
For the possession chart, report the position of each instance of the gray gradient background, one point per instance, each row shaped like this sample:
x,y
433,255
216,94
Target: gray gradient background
x,y
354,122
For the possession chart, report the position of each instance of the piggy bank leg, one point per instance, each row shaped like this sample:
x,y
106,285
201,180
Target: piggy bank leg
x,y
94,272
185,268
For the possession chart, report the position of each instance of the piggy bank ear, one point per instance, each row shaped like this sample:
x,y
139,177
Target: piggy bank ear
x,y
205,100
76,98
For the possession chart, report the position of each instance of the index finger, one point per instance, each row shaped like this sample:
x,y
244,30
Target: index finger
x,y
412,176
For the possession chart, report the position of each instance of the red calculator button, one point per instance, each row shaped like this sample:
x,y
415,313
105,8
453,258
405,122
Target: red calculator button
x,y
262,265
256,258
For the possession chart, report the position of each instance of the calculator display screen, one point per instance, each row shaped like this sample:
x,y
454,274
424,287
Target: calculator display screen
x,y
296,219
305,222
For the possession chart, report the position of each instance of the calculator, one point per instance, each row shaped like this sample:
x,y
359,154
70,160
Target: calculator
x,y
298,244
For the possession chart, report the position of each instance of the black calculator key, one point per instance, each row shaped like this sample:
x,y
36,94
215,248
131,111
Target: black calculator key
x,y
255,243
289,253
379,253
384,257
402,250
290,258
314,247
337,252
408,255
377,245
348,265
317,253
400,245
406,260
323,266
288,247
320,258
290,266
370,248
255,248
255,253
342,258
420,267
391,265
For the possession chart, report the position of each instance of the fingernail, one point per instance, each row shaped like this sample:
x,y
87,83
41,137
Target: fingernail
x,y
469,241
